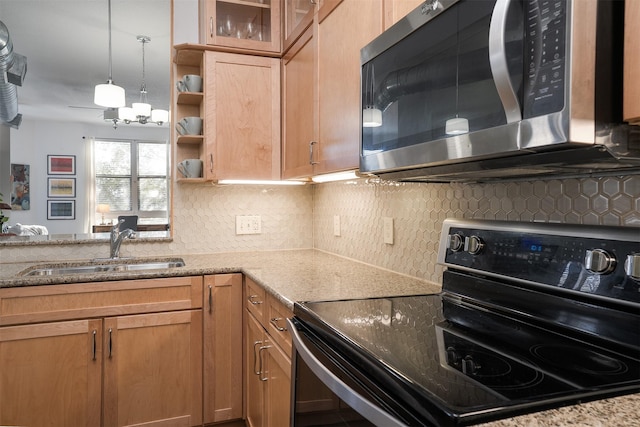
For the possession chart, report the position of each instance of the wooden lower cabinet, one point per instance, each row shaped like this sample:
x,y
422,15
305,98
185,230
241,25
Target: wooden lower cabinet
x,y
50,374
137,361
222,373
152,369
268,378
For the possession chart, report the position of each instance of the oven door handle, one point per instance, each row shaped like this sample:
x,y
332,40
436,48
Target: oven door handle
x,y
356,401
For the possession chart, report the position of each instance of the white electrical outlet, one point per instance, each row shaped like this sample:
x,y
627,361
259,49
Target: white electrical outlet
x,y
388,230
336,225
248,224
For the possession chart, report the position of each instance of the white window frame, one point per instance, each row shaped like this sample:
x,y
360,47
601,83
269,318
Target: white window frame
x,y
134,178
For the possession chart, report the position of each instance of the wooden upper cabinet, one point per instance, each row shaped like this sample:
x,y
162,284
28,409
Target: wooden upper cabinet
x,y
632,63
341,34
298,16
298,107
241,24
242,116
395,10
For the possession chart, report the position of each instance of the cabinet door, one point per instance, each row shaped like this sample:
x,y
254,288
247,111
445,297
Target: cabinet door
x,y
50,374
241,24
299,80
632,63
395,10
298,16
277,377
254,388
341,35
222,375
242,118
153,369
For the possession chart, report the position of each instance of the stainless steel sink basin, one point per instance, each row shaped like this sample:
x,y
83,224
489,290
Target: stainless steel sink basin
x,y
50,270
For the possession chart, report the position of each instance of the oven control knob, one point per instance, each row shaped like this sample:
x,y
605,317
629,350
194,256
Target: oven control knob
x,y
474,245
599,261
469,366
456,242
632,266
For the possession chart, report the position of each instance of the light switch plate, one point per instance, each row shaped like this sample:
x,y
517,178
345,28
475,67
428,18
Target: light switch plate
x,y
336,225
248,224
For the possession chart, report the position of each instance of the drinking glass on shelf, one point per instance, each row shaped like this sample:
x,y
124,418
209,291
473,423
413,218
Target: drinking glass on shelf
x,y
254,31
228,26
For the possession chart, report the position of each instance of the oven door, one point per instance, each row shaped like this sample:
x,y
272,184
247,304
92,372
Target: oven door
x,y
328,390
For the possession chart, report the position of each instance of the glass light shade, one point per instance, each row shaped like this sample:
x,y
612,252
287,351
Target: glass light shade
x,y
456,126
109,95
141,109
126,113
103,208
159,116
371,117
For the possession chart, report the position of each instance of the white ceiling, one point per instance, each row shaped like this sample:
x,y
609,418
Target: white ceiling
x,y
66,45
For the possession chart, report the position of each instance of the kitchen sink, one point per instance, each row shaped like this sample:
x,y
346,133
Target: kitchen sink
x,y
90,268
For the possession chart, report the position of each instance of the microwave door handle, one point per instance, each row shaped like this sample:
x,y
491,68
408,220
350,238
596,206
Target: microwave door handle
x,y
498,62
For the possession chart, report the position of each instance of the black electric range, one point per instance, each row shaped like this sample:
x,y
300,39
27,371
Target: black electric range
x,y
532,316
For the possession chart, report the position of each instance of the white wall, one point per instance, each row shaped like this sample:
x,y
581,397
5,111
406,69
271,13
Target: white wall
x,y
36,139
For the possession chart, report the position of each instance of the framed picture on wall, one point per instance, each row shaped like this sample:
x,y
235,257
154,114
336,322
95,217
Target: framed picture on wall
x,y
61,165
61,209
61,187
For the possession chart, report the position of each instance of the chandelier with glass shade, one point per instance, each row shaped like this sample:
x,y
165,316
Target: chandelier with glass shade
x,y
108,94
139,112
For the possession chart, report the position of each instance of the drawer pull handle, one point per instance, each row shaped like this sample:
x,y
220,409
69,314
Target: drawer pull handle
x,y
255,359
274,321
110,343
264,347
253,301
93,350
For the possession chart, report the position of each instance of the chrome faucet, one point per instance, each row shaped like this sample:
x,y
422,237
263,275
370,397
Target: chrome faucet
x,y
117,237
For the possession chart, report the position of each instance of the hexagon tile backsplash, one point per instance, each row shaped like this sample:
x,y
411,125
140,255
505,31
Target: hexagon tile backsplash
x,y
418,211
303,217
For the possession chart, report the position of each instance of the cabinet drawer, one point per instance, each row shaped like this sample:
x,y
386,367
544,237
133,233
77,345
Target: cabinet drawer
x,y
276,323
98,299
255,299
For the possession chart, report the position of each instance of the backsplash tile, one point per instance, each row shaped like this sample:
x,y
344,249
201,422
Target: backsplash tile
x,y
302,217
418,211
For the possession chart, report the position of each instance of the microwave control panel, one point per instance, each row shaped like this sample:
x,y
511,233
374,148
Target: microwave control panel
x,y
545,48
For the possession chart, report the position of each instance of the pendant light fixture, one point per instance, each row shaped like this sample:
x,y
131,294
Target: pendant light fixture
x,y
139,112
457,125
371,116
108,94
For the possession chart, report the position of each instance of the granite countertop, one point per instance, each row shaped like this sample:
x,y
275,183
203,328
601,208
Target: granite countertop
x,y
300,275
311,275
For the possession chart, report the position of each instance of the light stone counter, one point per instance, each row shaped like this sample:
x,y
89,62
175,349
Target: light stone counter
x,y
311,275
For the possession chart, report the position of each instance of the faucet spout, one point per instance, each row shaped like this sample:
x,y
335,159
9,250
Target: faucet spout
x,y
117,237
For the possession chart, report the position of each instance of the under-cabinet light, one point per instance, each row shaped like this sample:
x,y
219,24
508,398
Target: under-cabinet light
x,y
258,182
337,176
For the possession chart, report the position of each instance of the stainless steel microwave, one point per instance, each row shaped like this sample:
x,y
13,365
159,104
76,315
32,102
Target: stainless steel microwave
x,y
473,90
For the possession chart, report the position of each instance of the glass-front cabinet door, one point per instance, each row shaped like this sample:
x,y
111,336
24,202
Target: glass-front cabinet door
x,y
298,17
242,24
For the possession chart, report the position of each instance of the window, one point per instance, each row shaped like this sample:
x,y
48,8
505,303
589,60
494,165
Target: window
x,y
131,178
